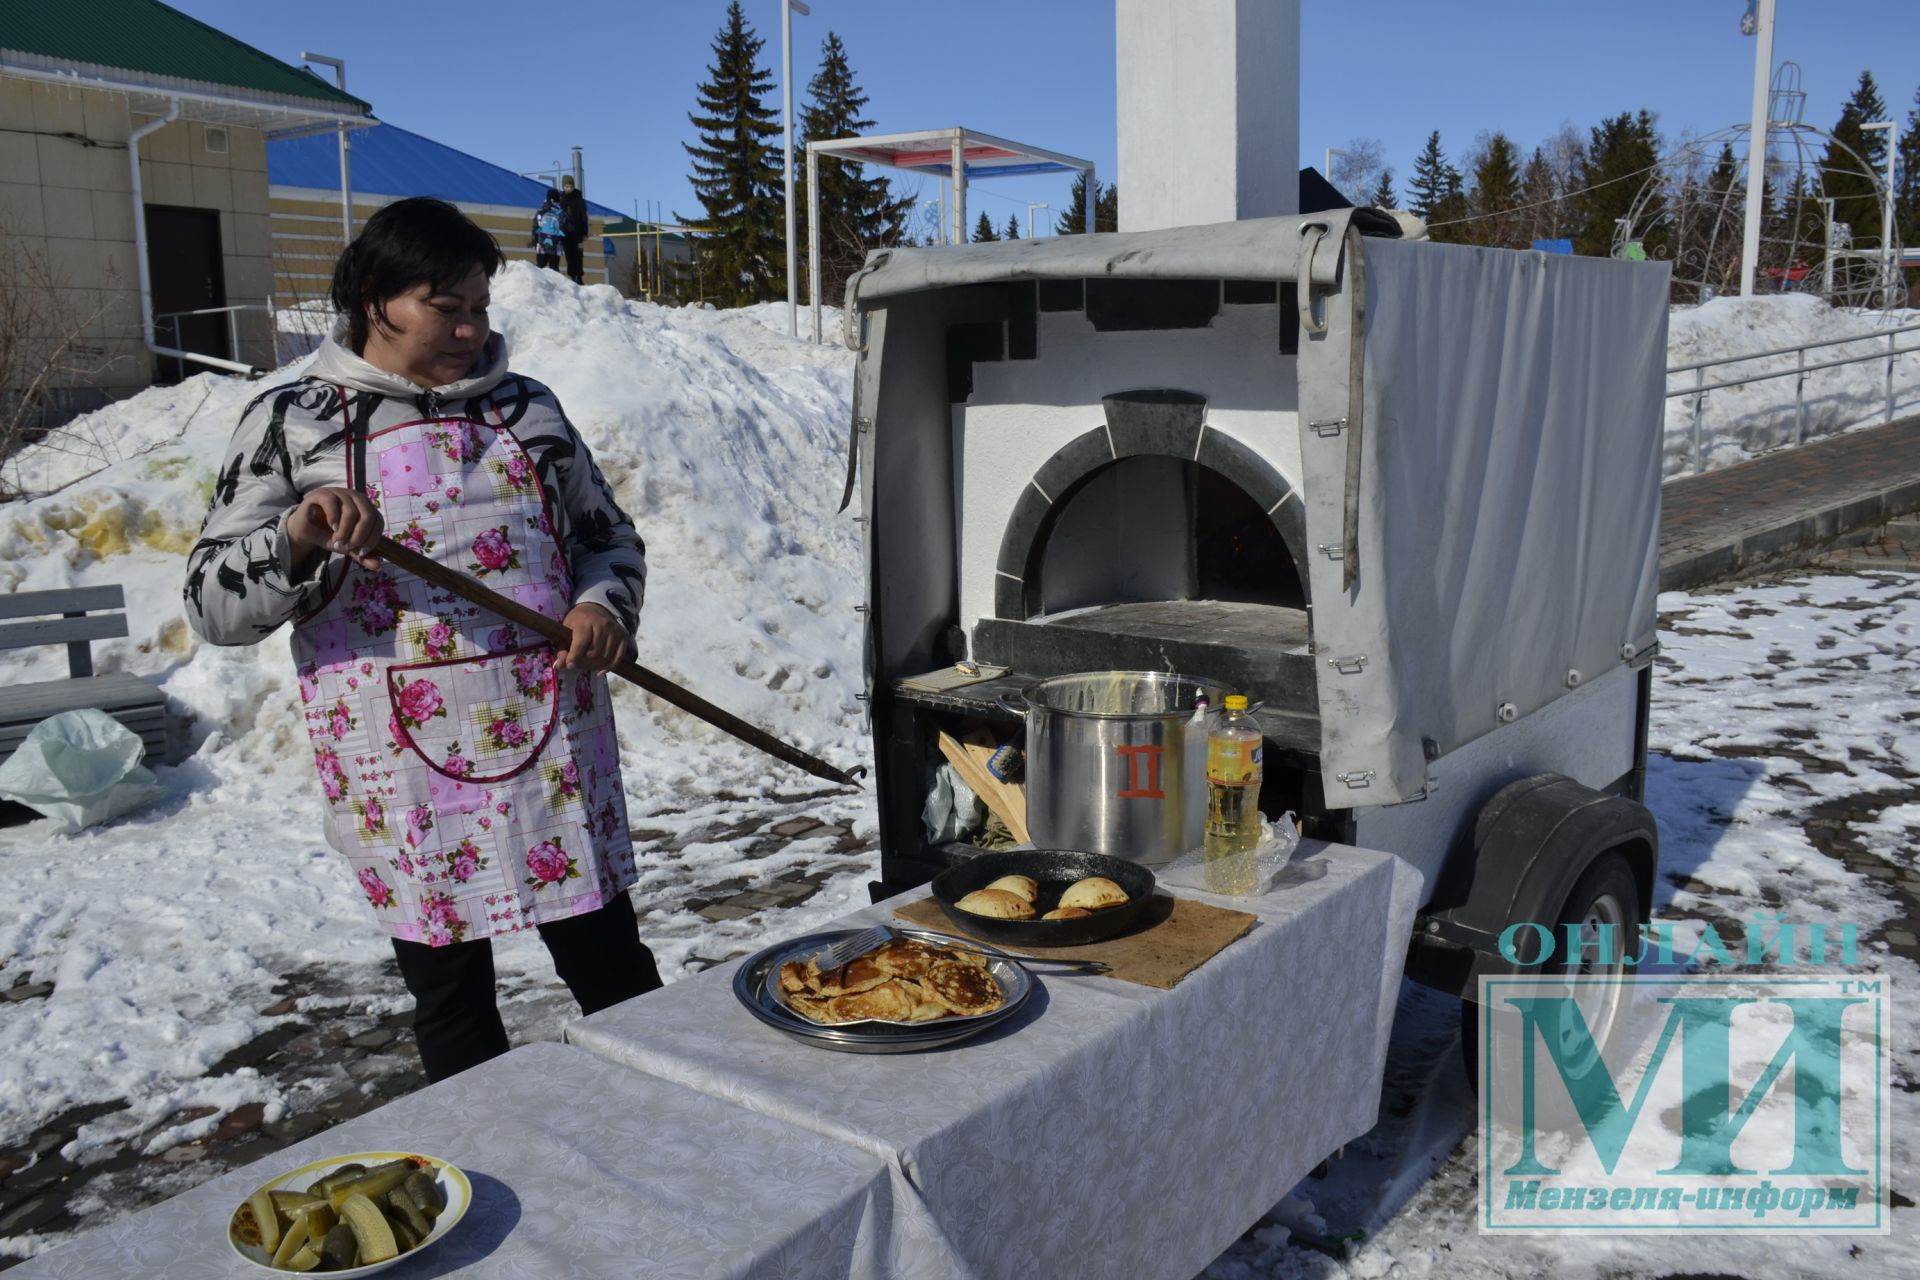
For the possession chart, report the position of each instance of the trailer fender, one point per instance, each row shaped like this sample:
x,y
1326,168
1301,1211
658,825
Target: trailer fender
x,y
1529,847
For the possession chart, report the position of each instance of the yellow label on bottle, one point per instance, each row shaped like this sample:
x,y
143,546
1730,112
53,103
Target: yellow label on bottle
x,y
1233,762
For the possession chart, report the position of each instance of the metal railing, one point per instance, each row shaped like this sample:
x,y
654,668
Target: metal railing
x,y
232,313
1799,373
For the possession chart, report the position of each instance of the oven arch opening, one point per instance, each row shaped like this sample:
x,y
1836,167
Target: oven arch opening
x,y
1152,526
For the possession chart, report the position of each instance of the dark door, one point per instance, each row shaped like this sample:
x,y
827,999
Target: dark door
x,y
183,259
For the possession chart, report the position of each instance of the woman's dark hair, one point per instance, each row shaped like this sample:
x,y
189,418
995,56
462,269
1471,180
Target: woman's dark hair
x,y
414,241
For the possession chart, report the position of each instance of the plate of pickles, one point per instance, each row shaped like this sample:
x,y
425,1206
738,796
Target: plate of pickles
x,y
349,1215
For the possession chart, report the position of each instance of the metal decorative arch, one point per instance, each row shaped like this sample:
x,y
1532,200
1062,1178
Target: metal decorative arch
x,y
1159,422
1688,216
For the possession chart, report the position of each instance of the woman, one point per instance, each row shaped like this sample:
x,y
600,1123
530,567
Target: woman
x,y
471,773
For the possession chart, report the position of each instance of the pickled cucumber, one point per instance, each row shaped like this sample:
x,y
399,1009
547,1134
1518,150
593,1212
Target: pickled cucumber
x,y
288,1202
401,1208
371,1231
338,1249
372,1184
294,1240
306,1258
345,1173
425,1193
264,1214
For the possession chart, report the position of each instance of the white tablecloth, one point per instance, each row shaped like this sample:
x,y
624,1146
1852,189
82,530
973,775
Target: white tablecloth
x,y
580,1168
1110,1130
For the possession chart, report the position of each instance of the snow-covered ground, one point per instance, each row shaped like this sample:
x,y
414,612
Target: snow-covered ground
x,y
166,932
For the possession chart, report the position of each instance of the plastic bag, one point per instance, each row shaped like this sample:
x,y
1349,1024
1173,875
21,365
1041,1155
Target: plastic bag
x,y
952,811
1242,875
79,768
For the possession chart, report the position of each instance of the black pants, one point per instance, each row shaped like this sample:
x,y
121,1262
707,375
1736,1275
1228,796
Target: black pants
x,y
456,1016
546,260
574,271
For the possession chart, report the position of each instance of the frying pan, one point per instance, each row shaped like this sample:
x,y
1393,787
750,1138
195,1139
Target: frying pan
x,y
1054,869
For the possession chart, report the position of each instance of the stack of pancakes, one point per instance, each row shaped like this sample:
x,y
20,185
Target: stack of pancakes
x,y
902,980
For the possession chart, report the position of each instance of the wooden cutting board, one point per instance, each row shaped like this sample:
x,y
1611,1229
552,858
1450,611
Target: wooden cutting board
x,y
1174,937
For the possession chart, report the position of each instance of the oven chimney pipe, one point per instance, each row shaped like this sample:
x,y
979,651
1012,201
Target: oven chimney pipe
x,y
1209,110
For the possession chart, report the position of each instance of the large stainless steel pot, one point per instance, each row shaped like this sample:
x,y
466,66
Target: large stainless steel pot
x,y
1116,762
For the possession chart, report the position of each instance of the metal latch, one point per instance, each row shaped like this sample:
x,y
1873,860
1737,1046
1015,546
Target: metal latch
x,y
1334,550
1328,427
1349,666
1356,779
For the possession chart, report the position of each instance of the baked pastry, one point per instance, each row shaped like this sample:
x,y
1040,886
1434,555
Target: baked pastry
x,y
1026,888
1095,893
1067,913
997,903
902,980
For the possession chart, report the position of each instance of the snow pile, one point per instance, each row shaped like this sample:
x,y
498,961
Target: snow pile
x,y
1737,423
164,933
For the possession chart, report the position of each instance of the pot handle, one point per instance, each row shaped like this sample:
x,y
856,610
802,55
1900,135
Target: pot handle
x,y
1014,703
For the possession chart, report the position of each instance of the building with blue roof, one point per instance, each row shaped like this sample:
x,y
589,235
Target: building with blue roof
x,y
389,163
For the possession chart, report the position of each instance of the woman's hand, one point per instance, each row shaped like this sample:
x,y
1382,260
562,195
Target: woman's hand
x,y
339,520
599,641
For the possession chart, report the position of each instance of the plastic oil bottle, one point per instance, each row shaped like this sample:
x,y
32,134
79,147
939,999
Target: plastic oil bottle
x,y
1233,797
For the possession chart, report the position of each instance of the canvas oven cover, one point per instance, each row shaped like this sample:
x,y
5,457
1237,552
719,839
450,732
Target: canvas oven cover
x,y
1485,518
1480,441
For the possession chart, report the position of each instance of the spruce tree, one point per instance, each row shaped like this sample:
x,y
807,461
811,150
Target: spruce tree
x,y
1854,166
857,213
1621,159
1539,199
1495,196
1429,185
1013,227
1106,208
1382,196
1906,196
1449,222
983,230
736,173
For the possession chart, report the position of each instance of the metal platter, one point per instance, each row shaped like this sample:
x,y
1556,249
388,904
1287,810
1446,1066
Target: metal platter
x,y
754,982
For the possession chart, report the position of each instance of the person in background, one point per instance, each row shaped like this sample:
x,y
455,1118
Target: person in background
x,y
469,772
549,231
573,226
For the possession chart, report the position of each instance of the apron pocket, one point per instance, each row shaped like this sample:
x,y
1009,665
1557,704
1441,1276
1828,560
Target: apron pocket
x,y
476,719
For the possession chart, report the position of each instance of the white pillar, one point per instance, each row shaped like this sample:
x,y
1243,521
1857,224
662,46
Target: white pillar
x,y
813,234
959,186
1757,148
1209,110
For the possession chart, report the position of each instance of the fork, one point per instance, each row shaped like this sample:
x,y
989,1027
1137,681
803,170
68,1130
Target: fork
x,y
856,945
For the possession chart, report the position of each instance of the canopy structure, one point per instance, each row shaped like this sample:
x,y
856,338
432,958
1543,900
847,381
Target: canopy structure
x,y
956,155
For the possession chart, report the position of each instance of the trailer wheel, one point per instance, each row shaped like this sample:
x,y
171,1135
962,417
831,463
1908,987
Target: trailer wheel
x,y
1606,894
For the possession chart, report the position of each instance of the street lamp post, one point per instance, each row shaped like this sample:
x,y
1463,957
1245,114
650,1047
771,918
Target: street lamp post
x,y
787,9
1757,22
346,181
1886,206
1031,206
1327,173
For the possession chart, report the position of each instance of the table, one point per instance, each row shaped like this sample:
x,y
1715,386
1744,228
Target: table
x,y
1108,1130
579,1168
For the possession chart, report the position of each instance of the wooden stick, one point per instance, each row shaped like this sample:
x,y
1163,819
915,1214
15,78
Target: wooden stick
x,y
654,683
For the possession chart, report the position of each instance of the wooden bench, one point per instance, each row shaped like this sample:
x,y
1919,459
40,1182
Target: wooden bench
x,y
76,618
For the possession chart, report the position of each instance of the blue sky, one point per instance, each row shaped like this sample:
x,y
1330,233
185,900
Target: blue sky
x,y
520,83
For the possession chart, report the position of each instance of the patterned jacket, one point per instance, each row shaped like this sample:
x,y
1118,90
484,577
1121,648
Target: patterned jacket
x,y
294,438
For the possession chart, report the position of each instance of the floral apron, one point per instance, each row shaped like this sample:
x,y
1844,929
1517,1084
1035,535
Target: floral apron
x,y
474,788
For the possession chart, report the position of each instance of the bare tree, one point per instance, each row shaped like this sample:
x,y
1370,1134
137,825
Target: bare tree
x,y
1357,164
45,329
